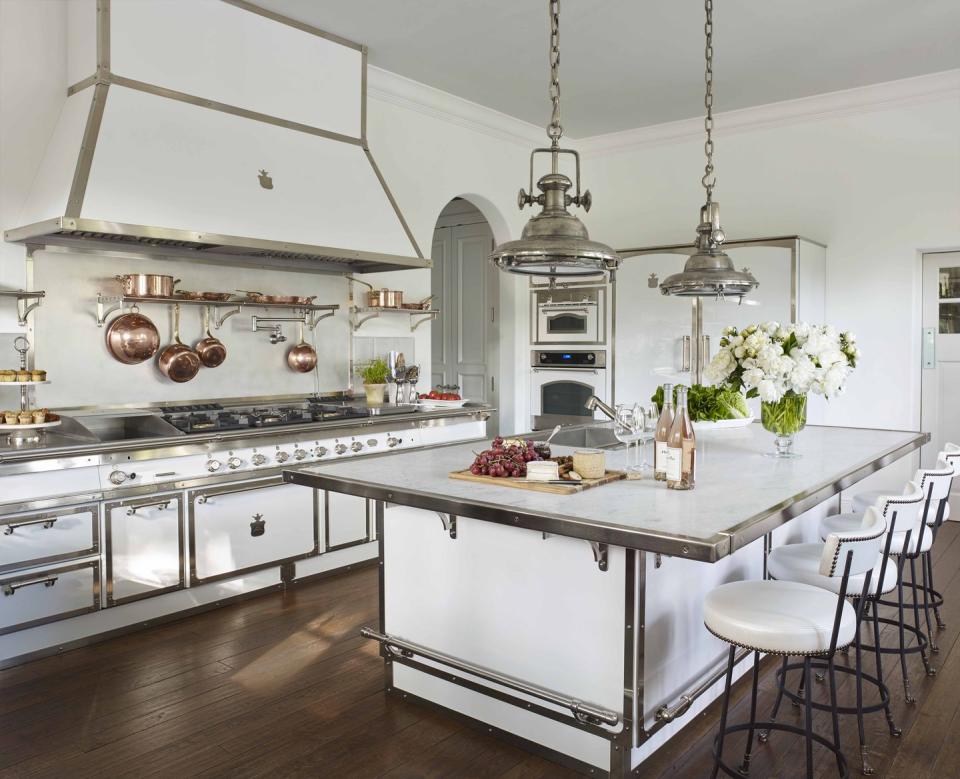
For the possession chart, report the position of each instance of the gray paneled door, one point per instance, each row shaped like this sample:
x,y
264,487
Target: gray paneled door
x,y
465,334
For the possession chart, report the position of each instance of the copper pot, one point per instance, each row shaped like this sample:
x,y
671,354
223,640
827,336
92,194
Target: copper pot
x,y
147,285
385,298
178,362
132,338
302,358
210,350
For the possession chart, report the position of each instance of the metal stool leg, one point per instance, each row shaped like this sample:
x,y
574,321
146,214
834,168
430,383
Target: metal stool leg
x,y
834,714
765,734
926,604
808,718
907,694
921,637
894,730
723,712
800,688
865,766
936,606
745,765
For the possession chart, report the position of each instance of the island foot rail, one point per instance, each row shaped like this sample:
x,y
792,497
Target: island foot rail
x,y
583,712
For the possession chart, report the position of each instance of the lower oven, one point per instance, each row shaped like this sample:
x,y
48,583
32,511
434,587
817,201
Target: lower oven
x,y
238,528
560,384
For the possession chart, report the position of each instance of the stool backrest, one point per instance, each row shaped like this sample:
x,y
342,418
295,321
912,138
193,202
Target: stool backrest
x,y
862,546
908,508
951,456
940,477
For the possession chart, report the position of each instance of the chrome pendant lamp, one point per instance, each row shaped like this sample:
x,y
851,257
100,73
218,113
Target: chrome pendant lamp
x,y
555,242
709,272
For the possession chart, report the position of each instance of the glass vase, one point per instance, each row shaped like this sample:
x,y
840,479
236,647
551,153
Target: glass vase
x,y
784,418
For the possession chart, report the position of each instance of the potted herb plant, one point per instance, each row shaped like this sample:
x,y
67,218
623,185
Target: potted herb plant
x,y
374,375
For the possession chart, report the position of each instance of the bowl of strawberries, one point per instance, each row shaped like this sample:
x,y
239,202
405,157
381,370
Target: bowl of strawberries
x,y
442,396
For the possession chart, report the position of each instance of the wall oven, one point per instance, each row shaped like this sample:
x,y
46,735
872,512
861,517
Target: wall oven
x,y
560,383
570,316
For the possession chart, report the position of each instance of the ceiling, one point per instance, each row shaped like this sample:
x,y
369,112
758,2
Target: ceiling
x,y
631,63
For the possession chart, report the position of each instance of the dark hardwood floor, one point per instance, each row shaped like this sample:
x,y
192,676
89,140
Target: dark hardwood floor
x,y
281,685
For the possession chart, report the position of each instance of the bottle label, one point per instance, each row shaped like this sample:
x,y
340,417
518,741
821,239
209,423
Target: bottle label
x,y
660,457
674,457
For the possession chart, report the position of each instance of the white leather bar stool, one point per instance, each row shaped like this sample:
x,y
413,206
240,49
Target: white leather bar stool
x,y
801,563
793,619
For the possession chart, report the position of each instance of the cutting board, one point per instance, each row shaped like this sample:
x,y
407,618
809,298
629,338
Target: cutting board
x,y
539,486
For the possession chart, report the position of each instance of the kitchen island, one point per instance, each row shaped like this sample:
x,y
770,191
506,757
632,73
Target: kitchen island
x,y
572,623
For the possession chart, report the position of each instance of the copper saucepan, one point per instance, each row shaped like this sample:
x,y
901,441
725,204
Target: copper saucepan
x,y
381,298
147,285
302,358
178,362
210,350
132,338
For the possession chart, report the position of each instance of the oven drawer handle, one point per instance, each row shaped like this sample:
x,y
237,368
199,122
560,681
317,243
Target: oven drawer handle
x,y
47,522
162,505
205,498
46,581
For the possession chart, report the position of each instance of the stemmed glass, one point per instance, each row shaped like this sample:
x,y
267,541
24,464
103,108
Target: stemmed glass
x,y
646,418
625,431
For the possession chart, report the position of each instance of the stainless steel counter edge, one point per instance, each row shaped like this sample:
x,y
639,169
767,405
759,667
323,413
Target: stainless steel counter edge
x,y
144,448
704,550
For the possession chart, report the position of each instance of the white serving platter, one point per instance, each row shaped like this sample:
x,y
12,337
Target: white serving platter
x,y
426,403
22,383
724,424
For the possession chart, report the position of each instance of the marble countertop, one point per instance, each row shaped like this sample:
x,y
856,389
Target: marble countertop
x,y
740,495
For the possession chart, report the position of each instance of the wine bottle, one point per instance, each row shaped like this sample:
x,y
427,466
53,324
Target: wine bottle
x,y
681,448
662,437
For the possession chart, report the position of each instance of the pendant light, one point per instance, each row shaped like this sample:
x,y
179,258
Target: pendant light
x,y
709,272
555,242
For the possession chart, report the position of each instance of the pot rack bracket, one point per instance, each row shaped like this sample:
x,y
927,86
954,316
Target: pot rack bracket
x,y
26,302
359,316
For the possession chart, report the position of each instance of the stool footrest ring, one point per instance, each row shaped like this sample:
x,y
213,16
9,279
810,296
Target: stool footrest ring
x,y
783,727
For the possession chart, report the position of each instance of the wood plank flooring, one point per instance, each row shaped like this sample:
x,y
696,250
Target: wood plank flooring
x,y
282,686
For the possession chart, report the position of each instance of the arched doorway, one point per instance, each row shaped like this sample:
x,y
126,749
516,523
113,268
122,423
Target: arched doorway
x,y
465,336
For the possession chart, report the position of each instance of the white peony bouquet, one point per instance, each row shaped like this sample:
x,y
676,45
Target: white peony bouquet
x,y
772,361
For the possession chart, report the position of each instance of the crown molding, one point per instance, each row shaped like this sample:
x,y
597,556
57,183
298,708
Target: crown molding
x,y
397,90
847,102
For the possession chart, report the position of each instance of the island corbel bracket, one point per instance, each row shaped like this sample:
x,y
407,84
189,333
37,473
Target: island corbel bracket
x,y
601,551
449,522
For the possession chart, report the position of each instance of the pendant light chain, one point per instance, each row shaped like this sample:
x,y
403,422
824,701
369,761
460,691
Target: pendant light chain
x,y
709,180
554,130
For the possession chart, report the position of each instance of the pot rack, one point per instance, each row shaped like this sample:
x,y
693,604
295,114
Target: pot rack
x,y
24,306
310,314
359,315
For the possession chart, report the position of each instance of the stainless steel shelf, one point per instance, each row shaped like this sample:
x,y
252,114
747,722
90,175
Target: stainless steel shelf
x,y
359,316
23,298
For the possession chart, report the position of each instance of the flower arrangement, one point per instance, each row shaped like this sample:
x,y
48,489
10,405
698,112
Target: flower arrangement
x,y
772,361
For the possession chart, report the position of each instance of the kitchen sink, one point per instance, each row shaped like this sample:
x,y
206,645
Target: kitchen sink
x,y
586,436
127,427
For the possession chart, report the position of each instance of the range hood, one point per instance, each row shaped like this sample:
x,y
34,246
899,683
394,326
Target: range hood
x,y
242,143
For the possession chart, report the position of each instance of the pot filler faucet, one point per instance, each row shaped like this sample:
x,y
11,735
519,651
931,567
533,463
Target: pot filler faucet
x,y
594,403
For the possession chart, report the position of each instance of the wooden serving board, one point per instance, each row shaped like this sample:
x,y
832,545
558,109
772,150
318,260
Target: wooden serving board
x,y
539,486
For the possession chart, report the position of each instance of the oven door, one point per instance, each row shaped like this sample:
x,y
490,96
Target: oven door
x,y
569,323
559,395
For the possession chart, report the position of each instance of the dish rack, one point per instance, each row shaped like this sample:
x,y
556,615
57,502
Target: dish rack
x,y
28,433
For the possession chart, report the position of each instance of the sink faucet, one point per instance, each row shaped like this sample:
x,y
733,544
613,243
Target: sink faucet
x,y
594,403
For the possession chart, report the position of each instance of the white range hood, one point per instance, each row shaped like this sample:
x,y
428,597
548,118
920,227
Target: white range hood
x,y
215,130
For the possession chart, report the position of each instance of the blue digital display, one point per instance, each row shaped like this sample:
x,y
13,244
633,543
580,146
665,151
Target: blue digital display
x,y
568,357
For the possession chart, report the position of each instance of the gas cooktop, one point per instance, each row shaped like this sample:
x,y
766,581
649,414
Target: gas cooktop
x,y
207,417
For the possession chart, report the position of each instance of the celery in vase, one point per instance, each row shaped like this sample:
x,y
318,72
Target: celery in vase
x,y
784,418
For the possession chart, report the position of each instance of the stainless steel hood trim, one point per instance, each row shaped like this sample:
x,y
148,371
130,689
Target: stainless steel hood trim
x,y
196,245
270,252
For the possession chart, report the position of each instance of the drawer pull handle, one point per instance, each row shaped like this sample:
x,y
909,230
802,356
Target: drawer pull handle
x,y
163,506
259,525
47,522
11,589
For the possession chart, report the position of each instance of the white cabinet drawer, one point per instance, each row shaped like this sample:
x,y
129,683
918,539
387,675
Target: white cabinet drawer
x,y
346,521
32,599
144,547
254,525
48,536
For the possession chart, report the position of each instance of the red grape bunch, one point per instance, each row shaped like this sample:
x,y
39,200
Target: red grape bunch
x,y
508,458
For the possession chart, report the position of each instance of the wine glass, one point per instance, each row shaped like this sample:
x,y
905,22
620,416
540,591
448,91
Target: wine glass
x,y
625,431
646,418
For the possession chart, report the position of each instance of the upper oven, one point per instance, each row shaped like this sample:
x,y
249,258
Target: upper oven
x,y
569,316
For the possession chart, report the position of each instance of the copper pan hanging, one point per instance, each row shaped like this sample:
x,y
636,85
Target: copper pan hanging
x,y
178,362
211,351
132,338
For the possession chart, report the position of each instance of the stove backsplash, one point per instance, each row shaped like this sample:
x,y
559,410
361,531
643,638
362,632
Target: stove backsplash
x,y
69,345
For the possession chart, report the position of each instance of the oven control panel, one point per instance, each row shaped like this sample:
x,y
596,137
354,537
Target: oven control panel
x,y
568,358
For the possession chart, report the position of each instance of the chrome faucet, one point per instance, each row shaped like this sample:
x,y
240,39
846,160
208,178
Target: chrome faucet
x,y
594,403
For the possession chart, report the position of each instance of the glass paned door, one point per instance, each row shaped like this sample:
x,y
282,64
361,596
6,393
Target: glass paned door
x,y
949,300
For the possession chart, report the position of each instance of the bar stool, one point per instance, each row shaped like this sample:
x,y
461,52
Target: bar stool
x,y
801,563
793,619
951,456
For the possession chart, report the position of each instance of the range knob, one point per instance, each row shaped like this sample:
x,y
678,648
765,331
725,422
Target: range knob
x,y
258,459
299,454
214,465
234,462
356,446
320,451
119,477
392,441
340,448
282,457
